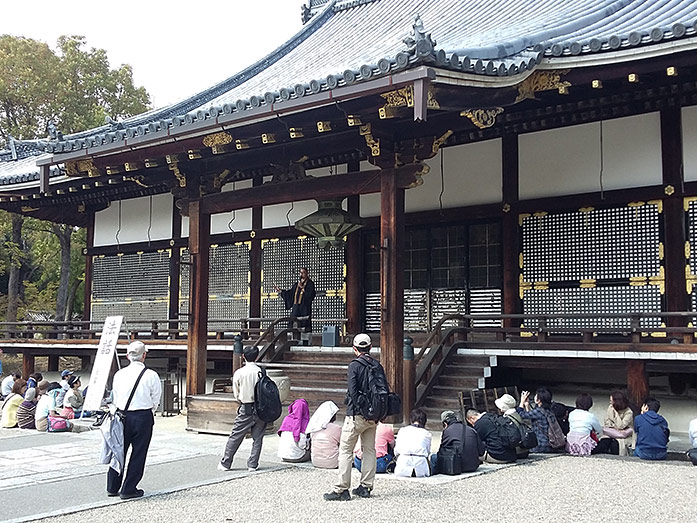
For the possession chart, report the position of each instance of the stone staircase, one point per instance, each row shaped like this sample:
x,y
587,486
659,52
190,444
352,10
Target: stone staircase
x,y
318,376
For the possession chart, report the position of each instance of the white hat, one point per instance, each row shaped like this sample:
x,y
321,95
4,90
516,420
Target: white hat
x,y
362,342
505,402
137,349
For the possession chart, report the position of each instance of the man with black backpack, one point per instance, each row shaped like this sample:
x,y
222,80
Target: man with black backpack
x,y
499,435
361,420
244,383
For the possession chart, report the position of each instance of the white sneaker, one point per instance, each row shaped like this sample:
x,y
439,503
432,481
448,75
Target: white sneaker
x,y
223,467
251,469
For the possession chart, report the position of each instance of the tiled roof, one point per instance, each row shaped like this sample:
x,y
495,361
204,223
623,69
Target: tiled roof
x,y
351,41
18,162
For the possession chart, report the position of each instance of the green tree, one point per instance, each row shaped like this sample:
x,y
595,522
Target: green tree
x,y
74,87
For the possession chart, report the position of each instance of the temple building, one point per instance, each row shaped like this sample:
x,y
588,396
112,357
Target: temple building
x,y
528,166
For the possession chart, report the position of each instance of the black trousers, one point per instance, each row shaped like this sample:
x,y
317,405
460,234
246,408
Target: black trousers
x,y
137,433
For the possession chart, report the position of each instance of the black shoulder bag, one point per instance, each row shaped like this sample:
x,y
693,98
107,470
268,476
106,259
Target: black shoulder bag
x,y
122,413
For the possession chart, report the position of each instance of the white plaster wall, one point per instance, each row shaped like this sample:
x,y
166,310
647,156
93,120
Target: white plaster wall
x,y
278,215
472,176
243,217
135,221
689,142
567,161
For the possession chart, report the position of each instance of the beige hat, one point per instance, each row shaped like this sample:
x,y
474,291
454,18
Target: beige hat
x,y
137,349
505,402
362,342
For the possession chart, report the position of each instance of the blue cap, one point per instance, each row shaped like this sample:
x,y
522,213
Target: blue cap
x,y
65,373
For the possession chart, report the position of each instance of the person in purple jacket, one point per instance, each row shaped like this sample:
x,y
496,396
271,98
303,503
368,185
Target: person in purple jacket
x,y
652,432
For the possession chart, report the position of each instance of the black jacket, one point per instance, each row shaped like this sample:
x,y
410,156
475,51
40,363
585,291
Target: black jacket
x,y
452,439
489,434
356,384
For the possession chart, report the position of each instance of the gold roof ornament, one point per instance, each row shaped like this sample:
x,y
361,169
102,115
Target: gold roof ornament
x,y
482,118
541,81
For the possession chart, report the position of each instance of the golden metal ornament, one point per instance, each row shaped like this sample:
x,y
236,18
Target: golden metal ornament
x,y
404,97
137,179
181,178
438,142
669,190
88,167
71,168
482,118
541,81
221,138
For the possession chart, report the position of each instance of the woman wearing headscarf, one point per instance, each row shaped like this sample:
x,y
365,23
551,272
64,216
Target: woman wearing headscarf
x,y
325,436
27,409
294,446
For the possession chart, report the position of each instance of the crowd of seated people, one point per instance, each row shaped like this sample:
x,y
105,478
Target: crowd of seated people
x,y
517,430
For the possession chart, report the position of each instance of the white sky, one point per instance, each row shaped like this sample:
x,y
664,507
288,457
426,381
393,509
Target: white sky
x,y
176,48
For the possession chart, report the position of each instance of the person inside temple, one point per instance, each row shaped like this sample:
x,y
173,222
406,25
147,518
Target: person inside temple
x,y
299,300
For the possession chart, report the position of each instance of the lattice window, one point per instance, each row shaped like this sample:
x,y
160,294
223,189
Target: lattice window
x,y
281,262
691,217
228,284
135,286
593,262
485,256
448,257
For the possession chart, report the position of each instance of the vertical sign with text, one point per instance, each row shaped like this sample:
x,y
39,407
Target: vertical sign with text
x,y
102,363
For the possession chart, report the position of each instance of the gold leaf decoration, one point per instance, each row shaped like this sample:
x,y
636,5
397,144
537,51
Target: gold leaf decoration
x,y
482,118
541,81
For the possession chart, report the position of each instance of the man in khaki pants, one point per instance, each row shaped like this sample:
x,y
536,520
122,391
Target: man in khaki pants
x,y
356,425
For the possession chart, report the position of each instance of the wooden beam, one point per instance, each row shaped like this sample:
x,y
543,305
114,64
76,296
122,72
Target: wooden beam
x,y
510,229
673,213
325,187
392,278
199,244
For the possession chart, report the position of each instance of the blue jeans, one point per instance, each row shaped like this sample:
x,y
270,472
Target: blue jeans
x,y
381,464
653,455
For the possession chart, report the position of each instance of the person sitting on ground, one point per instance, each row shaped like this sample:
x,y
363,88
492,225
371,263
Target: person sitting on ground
x,y
65,376
618,431
692,431
7,383
652,433
34,379
413,447
538,417
72,403
324,436
584,428
46,407
471,453
294,446
497,452
11,403
27,409
384,448
506,405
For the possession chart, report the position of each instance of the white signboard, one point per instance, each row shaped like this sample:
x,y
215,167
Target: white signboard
x,y
102,363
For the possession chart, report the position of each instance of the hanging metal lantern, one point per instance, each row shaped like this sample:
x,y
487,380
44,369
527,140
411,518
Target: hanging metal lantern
x,y
329,224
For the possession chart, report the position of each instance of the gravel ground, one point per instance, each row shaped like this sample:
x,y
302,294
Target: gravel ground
x,y
561,488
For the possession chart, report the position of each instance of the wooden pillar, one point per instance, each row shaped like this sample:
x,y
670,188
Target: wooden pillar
x,y
510,233
391,280
199,244
354,267
53,363
676,298
89,243
85,362
637,383
409,374
27,364
175,271
255,263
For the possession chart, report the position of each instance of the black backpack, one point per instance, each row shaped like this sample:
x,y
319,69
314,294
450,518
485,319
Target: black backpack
x,y
507,430
528,438
267,400
376,402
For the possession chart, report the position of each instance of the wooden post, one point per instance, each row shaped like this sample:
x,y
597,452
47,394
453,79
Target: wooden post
x,y
255,264
27,364
354,270
510,233
89,243
637,383
199,244
85,362
409,395
673,214
391,279
174,273
53,363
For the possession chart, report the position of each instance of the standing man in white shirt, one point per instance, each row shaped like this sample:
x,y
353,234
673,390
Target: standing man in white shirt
x,y
144,389
244,382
